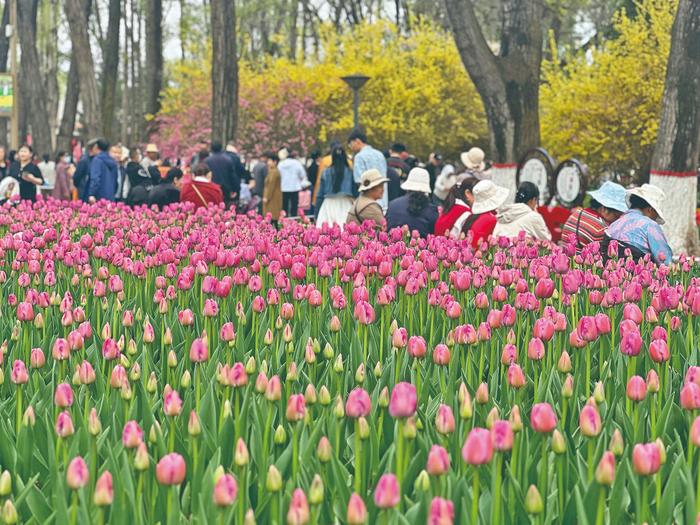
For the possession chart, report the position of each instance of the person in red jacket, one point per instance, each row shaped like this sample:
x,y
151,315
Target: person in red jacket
x,y
201,191
487,199
457,208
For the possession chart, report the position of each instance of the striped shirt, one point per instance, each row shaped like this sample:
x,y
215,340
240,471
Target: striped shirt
x,y
583,227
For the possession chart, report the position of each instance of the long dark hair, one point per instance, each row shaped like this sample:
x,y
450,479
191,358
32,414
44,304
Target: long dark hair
x,y
339,163
469,222
417,202
459,192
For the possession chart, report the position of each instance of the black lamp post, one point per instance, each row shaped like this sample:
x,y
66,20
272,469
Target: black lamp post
x,y
356,82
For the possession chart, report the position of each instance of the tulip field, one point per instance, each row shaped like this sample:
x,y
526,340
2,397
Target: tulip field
x,y
178,367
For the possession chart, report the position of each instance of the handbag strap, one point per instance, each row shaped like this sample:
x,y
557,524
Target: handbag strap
x,y
196,190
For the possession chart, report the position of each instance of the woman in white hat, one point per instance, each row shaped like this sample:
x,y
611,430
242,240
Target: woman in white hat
x,y
522,216
473,160
487,199
414,209
366,207
640,228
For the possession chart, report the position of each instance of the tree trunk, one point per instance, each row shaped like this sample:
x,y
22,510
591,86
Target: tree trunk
x,y
110,71
293,28
508,83
675,159
224,71
33,87
154,55
4,53
80,49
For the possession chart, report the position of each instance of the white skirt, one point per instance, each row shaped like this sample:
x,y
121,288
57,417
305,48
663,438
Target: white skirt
x,y
334,210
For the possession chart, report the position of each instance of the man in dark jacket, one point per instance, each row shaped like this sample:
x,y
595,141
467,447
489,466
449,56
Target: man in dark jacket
x,y
103,173
168,191
224,173
82,171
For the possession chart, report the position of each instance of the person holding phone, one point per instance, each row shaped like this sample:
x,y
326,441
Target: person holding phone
x,y
27,173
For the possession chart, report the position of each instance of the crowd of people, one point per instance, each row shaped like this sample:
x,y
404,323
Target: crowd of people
x,y
391,189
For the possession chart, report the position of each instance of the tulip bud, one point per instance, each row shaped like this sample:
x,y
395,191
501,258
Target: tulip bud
x,y
104,492
172,359
383,400
292,373
250,366
152,383
9,513
316,491
324,396
516,421
338,364
492,416
249,518
482,394
280,435
564,363
273,482
154,433
617,443
168,337
328,352
662,450
141,460
599,393
465,408
241,456
422,483
605,472
652,381
558,442
185,380
227,408
29,418
533,501
5,483
94,424
194,428
324,450
310,396
378,370
339,408
360,374
567,389
363,427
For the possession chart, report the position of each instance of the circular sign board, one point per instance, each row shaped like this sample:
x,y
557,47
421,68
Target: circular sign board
x,y
537,167
570,182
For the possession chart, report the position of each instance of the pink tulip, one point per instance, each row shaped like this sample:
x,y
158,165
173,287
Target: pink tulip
x,y
86,374
132,435
358,403
104,490
442,512
403,400
37,359
438,461
63,397
516,376
77,473
186,317
502,435
298,513
225,491
658,351
589,421
544,288
441,355
172,404
416,346
286,311
602,323
636,388
118,378
695,432
587,329
25,312
631,343
653,385
399,338
478,447
690,396
19,375
171,469
199,351
387,493
646,459
544,329
64,425
482,394
659,333
364,313
357,511
605,472
227,332
535,349
632,312
509,354
542,418
110,350
296,407
445,420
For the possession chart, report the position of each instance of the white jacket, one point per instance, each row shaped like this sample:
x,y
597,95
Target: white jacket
x,y
514,218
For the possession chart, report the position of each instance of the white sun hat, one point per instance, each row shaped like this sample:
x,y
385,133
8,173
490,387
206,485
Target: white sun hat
x,y
654,195
488,197
418,180
473,159
371,179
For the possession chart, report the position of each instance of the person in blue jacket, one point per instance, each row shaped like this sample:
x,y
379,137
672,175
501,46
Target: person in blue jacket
x,y
103,173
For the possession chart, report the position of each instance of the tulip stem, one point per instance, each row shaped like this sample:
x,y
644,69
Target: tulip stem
x,y
197,386
496,491
139,500
697,490
399,451
358,458
644,501
242,493
74,508
600,514
591,452
475,496
19,411
588,370
543,471
295,450
169,505
636,422
171,435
